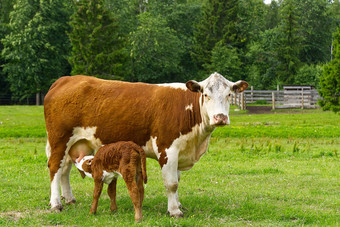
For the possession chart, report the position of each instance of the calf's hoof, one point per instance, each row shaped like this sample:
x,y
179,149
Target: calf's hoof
x,y
58,208
138,220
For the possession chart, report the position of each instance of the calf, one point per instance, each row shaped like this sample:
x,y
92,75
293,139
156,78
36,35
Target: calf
x,y
125,159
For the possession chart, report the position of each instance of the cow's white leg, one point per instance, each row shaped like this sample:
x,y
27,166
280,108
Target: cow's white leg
x,y
66,190
55,201
177,198
170,177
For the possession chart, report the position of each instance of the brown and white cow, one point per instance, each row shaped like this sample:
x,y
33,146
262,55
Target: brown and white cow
x,y
172,122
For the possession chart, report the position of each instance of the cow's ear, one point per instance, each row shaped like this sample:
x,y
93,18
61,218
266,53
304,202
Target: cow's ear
x,y
240,86
194,86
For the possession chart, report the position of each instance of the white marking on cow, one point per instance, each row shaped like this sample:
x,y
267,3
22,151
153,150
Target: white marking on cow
x,y
48,150
174,85
189,107
151,148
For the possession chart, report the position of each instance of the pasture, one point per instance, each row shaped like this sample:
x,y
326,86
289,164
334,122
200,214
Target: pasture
x,y
265,170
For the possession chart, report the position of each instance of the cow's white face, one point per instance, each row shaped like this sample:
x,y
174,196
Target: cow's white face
x,y
216,91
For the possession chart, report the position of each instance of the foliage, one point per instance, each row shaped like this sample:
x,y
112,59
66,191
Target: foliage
x,y
308,75
219,23
6,6
264,44
225,60
97,46
330,80
155,50
289,42
37,46
315,26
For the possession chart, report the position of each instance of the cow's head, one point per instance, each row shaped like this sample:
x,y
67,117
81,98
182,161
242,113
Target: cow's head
x,y
216,91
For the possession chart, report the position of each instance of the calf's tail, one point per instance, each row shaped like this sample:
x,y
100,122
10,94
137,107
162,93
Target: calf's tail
x,y
143,163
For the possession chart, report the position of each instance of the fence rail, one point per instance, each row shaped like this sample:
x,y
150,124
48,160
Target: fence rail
x,y
279,99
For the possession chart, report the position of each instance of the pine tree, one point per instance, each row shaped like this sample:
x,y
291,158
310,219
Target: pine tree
x,y
36,49
220,22
289,43
97,47
330,80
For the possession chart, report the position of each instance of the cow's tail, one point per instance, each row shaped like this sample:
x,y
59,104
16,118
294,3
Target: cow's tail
x,y
143,163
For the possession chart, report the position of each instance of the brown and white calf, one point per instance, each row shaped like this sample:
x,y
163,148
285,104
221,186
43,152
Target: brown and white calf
x,y
125,159
171,122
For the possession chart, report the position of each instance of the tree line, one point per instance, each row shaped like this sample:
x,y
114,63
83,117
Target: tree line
x,y
285,42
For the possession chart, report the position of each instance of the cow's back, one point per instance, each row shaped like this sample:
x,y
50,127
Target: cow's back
x,y
120,111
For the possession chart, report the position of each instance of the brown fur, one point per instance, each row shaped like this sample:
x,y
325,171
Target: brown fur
x,y
121,111
126,158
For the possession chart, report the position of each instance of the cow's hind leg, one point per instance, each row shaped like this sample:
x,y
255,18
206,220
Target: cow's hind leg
x,y
56,156
66,190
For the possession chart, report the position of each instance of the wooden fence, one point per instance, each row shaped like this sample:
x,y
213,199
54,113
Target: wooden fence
x,y
300,98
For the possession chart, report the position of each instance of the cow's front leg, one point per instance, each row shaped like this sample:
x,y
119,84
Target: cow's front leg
x,y
170,177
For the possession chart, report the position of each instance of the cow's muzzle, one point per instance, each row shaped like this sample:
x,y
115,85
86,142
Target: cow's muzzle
x,y
220,119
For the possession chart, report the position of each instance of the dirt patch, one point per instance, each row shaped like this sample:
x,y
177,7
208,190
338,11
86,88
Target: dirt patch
x,y
259,109
13,215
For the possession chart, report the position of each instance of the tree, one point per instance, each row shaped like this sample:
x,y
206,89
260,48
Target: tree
x,y
289,42
97,46
6,6
220,21
330,79
155,50
37,47
315,26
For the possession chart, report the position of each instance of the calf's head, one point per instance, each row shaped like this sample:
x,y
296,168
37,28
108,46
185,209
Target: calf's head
x,y
216,91
84,165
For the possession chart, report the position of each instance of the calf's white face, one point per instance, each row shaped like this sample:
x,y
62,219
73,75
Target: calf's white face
x,y
216,91
81,165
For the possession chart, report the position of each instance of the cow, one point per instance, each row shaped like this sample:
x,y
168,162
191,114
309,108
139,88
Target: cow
x,y
172,122
125,159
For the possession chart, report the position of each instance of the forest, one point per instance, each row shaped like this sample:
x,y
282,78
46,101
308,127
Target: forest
x,y
156,41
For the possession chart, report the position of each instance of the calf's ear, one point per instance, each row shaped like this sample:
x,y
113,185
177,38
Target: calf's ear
x,y
81,173
240,86
194,86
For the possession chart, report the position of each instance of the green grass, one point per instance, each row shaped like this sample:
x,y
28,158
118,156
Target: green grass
x,y
263,170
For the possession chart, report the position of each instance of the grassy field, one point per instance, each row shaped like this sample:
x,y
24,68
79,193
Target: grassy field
x,y
264,170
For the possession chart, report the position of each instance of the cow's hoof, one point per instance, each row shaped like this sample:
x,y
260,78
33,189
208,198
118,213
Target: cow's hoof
x,y
176,214
57,208
72,201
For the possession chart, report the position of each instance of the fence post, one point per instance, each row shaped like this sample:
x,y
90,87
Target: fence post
x,y
242,101
302,99
235,102
273,101
252,94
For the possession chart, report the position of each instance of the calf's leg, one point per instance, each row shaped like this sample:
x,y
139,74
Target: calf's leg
x,y
98,187
111,190
135,197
